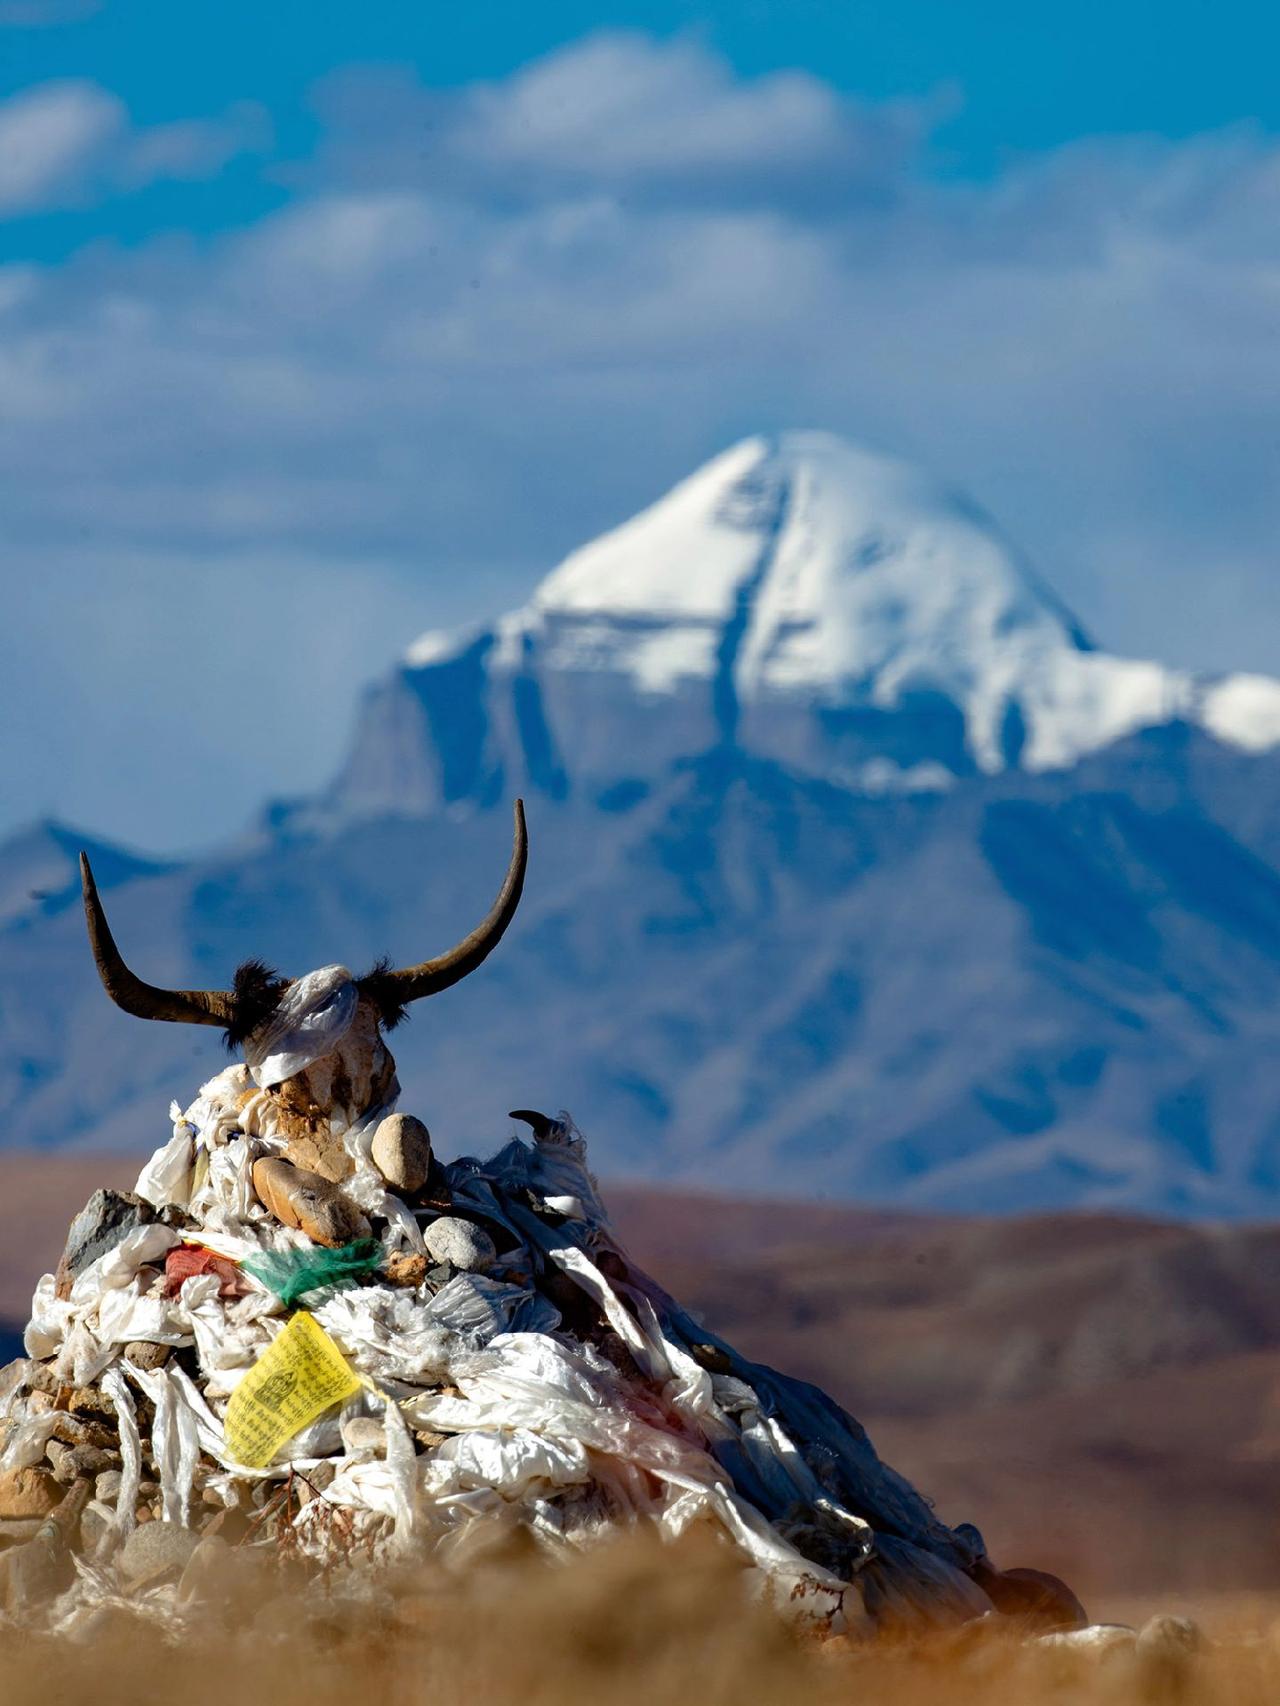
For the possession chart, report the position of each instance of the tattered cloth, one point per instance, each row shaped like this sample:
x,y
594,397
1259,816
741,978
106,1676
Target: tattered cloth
x,y
560,1390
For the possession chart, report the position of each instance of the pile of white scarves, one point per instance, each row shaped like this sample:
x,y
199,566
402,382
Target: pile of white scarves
x,y
540,1428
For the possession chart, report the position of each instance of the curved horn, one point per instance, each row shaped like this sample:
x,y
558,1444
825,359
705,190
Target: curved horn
x,y
144,1000
432,976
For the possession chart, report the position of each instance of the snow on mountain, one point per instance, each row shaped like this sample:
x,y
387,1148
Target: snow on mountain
x,y
808,573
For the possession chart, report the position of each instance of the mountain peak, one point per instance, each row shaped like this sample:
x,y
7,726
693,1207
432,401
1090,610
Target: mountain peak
x,y
822,532
806,570
810,600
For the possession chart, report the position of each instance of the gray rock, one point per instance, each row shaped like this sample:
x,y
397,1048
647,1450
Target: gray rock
x,y
364,1435
69,1462
402,1152
462,1244
156,1550
105,1219
107,1486
210,1572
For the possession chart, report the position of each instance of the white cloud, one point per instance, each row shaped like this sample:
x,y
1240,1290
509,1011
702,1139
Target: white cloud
x,y
621,111
455,369
49,137
196,148
65,143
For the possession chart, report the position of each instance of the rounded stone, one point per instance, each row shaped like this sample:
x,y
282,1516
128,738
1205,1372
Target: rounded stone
x,y
364,1435
28,1492
1167,1647
402,1152
460,1243
107,1486
315,1205
156,1550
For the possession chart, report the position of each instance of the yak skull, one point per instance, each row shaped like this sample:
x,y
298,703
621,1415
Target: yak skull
x,y
314,1045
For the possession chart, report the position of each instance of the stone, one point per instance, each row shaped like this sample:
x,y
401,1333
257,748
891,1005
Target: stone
x,y
402,1152
210,1573
156,1551
70,1462
303,1199
105,1219
461,1243
27,1492
143,1353
107,1486
1174,1636
363,1435
230,1524
406,1270
83,1430
1037,1598
36,1572
88,1401
1167,1650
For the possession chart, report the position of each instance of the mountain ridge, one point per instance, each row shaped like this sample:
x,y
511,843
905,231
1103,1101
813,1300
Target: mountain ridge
x,y
771,942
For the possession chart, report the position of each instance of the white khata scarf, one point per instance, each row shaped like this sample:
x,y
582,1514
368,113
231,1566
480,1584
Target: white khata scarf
x,y
313,1016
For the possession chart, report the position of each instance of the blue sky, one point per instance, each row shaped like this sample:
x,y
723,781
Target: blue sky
x,y
322,324
1020,77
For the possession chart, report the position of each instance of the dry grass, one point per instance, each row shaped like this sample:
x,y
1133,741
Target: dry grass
x,y
629,1624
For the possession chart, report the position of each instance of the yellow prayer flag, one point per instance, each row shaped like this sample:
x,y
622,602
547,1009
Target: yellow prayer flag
x,y
300,1375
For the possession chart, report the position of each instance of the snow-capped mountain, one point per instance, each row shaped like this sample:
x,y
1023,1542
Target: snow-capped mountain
x,y
857,871
801,598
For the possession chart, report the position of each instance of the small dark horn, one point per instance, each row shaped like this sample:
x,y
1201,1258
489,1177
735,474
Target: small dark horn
x,y
542,1125
144,1000
432,976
